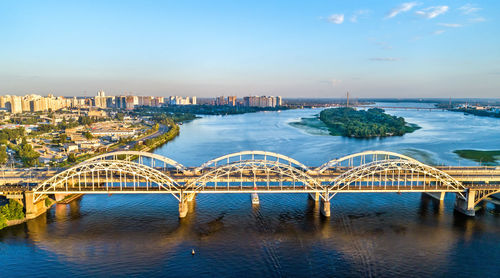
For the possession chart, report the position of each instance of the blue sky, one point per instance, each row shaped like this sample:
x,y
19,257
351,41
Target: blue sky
x,y
289,48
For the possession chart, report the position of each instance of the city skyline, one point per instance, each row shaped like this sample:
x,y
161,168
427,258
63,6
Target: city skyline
x,y
321,49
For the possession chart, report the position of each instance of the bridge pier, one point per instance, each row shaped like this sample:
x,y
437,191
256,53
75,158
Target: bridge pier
x,y
191,197
466,206
436,195
183,208
325,206
33,209
314,196
185,202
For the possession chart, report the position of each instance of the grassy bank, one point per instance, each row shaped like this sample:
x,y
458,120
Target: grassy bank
x,y
11,211
483,157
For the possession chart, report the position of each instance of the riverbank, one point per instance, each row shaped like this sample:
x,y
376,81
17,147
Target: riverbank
x,y
13,214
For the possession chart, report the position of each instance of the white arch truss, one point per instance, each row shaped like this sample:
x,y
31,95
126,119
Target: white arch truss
x,y
371,155
108,176
133,155
272,174
396,173
252,155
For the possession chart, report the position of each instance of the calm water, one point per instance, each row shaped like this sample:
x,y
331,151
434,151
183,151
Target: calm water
x,y
368,235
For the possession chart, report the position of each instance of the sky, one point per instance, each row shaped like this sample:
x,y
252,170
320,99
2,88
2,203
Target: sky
x,y
448,48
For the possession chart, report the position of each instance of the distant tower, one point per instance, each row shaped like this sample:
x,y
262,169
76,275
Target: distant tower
x,y
347,103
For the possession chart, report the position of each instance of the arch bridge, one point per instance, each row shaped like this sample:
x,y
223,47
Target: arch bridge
x,y
132,172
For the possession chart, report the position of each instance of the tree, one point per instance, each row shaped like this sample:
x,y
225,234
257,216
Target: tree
x,y
71,158
62,138
88,135
3,154
120,116
13,210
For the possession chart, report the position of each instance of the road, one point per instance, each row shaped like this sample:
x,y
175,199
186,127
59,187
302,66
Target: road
x,y
161,130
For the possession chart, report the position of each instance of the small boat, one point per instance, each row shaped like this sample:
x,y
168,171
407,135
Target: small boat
x,y
192,252
255,199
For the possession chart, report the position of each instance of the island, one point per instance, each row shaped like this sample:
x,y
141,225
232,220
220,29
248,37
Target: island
x,y
491,157
374,122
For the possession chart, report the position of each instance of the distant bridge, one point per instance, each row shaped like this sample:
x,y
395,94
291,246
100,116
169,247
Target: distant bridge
x,y
132,172
405,108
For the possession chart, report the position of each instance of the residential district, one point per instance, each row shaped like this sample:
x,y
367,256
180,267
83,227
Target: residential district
x,y
45,131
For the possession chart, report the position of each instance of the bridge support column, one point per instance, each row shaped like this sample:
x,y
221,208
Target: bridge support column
x,y
314,196
183,208
436,195
466,206
325,206
191,197
33,209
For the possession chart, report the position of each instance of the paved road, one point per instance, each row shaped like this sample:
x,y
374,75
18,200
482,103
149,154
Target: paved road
x,y
161,130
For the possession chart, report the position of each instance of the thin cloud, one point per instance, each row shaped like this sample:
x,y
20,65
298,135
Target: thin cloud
x,y
450,25
469,9
384,59
336,82
477,19
336,18
384,45
405,7
432,12
438,32
357,14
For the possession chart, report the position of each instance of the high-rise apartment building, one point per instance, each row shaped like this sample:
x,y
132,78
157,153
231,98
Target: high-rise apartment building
x,y
33,103
231,100
262,101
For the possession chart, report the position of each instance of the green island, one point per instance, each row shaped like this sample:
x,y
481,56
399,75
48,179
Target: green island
x,y
373,122
483,157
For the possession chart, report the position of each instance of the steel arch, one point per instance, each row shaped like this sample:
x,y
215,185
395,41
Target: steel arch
x,y
256,166
130,155
375,154
483,194
392,165
163,182
240,156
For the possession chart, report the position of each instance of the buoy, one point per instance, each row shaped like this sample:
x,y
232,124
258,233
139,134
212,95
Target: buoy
x,y
192,252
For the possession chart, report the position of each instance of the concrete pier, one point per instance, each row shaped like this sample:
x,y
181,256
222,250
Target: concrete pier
x,y
33,209
314,196
183,209
191,197
466,206
255,199
436,195
325,208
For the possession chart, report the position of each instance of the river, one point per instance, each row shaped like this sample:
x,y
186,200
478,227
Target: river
x,y
368,235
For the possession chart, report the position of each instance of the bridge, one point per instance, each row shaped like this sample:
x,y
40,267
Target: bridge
x,y
417,108
132,172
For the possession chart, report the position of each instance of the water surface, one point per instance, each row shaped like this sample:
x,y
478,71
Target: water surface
x,y
368,235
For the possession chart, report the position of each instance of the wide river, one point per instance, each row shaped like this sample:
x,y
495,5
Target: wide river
x,y
368,235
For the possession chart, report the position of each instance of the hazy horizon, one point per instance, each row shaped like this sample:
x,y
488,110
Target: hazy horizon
x,y
318,49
